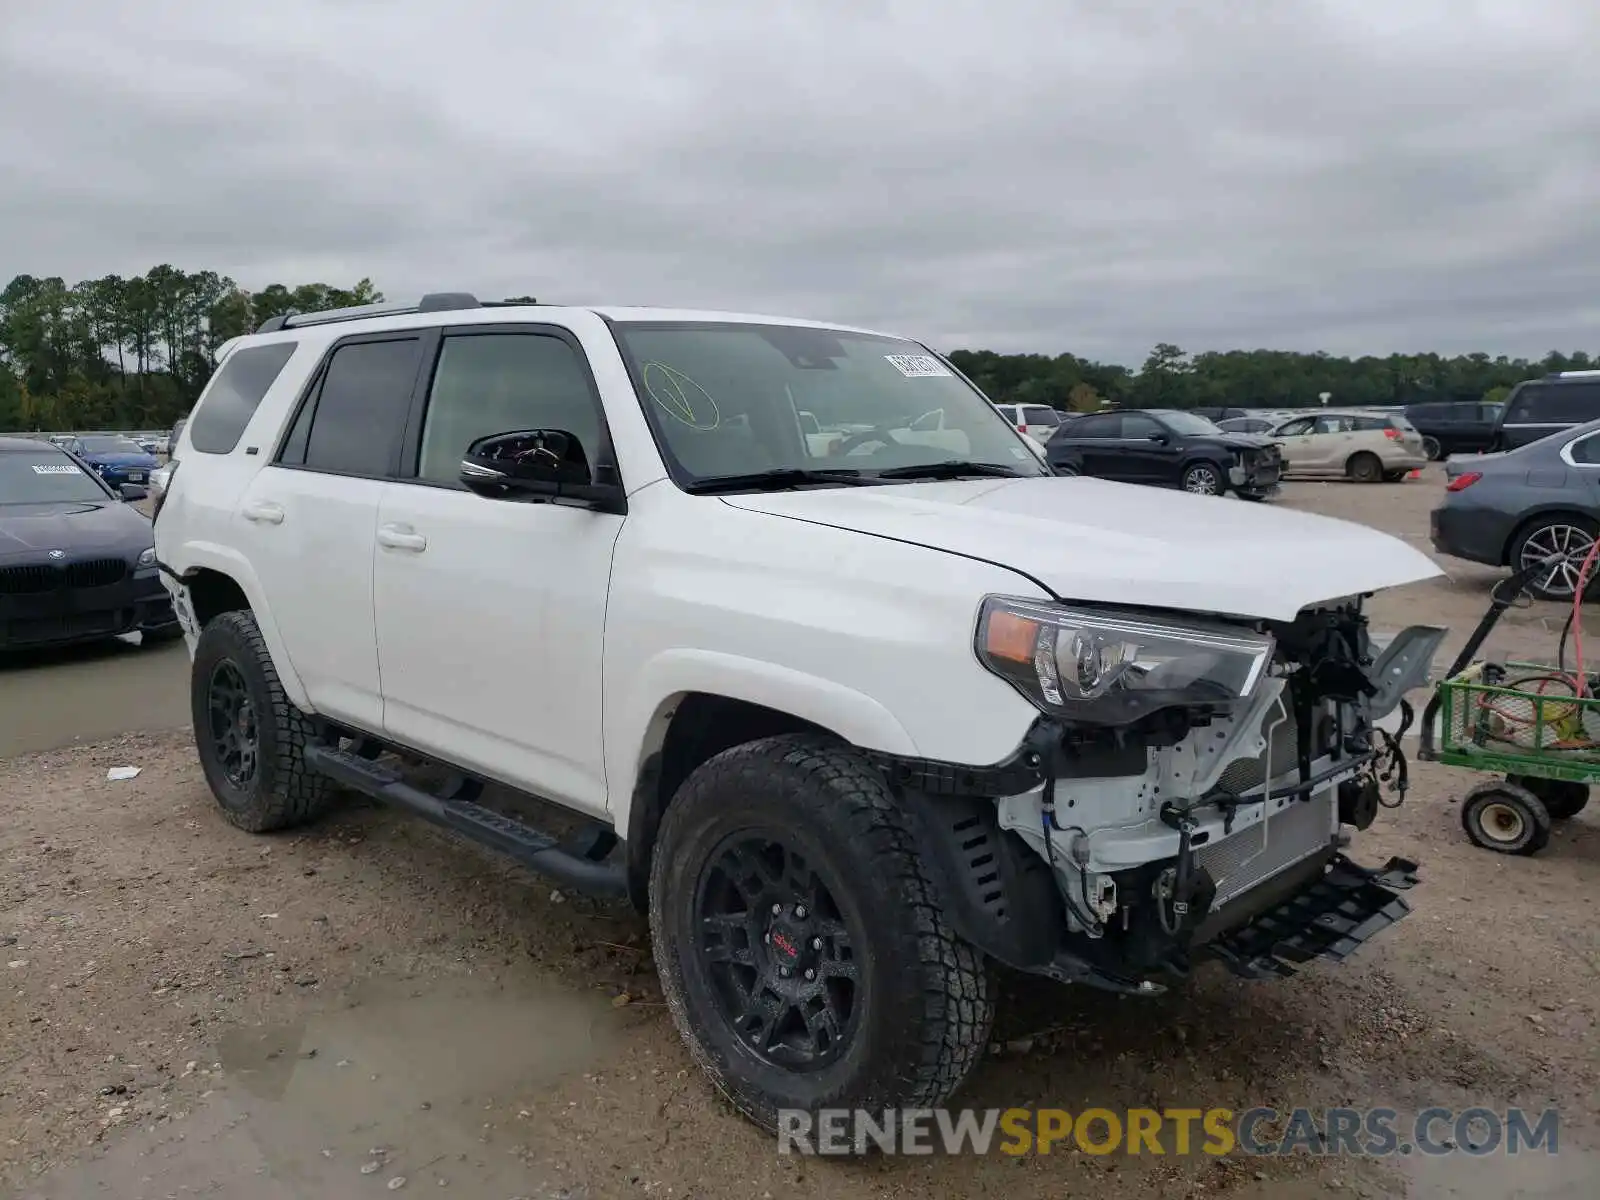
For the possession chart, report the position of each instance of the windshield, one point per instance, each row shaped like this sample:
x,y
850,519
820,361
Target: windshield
x,y
728,399
1188,423
46,476
110,445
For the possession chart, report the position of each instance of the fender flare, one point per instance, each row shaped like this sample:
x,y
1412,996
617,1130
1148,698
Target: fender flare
x,y
209,556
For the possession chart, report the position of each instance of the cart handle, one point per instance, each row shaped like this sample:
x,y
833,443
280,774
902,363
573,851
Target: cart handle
x,y
1504,594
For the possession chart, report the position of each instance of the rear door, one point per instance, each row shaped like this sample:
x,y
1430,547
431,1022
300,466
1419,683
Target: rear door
x,y
308,519
1142,457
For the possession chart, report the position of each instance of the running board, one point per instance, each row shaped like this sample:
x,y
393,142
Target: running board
x,y
579,865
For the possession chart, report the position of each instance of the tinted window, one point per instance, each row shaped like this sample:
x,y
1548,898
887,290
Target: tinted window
x,y
1107,426
232,398
355,423
1366,424
501,383
1037,415
1555,403
1137,425
1434,413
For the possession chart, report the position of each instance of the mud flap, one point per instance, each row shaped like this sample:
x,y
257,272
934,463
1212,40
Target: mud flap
x,y
1330,918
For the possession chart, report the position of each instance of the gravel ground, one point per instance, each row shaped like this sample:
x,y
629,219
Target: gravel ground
x,y
191,1011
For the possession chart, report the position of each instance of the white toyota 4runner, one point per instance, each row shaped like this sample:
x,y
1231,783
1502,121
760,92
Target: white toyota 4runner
x,y
854,697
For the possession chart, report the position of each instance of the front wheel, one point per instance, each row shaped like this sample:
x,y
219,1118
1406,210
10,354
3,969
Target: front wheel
x,y
1561,543
1506,818
803,954
1203,479
250,738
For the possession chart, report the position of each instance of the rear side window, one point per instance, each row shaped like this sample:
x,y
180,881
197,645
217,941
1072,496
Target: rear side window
x,y
1365,424
1554,404
1108,426
1587,450
1037,415
354,423
234,395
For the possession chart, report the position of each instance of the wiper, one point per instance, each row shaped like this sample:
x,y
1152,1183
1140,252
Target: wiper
x,y
772,481
951,469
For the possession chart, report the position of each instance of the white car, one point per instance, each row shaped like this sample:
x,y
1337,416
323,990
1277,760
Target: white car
x,y
850,715
1038,421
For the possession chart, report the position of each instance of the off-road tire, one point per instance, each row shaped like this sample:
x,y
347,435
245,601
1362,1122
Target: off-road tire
x,y
284,792
1506,818
925,1007
1364,467
1561,798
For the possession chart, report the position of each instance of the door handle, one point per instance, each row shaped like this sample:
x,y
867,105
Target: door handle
x,y
263,514
401,537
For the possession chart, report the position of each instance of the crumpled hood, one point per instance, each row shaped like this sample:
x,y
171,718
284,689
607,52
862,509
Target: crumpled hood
x,y
28,531
1115,543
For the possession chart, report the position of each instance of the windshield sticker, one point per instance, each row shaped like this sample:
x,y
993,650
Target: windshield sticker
x,y
55,469
918,366
680,397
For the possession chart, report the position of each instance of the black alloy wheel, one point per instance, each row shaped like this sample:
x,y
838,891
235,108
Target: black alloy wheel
x,y
235,739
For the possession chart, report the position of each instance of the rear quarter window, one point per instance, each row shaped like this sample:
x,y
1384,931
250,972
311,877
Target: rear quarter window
x,y
235,394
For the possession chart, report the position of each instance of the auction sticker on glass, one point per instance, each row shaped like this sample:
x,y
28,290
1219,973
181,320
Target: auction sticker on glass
x,y
54,469
918,366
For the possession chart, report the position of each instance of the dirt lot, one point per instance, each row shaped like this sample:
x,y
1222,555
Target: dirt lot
x,y
190,1011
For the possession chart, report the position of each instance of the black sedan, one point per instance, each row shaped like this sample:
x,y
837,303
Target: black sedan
x,y
77,561
1166,448
1537,503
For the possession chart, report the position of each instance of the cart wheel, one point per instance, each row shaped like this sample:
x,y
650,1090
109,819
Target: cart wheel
x,y
1506,818
1561,798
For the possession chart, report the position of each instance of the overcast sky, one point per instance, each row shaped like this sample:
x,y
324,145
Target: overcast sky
x,y
1358,176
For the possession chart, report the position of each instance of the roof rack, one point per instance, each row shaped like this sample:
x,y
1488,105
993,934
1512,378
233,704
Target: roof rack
x,y
432,302
1573,375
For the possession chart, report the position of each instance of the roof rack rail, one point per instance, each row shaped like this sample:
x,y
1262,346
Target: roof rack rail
x,y
1573,375
432,302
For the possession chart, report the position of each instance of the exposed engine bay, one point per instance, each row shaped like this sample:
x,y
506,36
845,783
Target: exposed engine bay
x,y
1223,794
1158,832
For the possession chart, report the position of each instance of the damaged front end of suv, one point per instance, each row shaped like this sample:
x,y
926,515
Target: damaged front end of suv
x,y
1182,795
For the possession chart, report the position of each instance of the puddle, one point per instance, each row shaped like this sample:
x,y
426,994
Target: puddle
x,y
1569,1174
410,1079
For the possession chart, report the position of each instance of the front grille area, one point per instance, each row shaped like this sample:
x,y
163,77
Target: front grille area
x,y
37,578
1238,863
67,627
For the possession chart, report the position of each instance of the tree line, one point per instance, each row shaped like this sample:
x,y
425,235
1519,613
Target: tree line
x,y
135,352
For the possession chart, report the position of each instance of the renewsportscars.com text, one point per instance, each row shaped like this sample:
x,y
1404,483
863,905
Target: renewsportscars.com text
x,y
1365,1133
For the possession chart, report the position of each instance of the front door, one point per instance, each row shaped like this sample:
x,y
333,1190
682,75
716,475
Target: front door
x,y
491,612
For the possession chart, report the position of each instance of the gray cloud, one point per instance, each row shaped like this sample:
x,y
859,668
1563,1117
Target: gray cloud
x,y
1347,175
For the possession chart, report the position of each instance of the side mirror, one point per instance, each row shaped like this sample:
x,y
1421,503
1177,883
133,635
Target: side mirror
x,y
132,491
525,463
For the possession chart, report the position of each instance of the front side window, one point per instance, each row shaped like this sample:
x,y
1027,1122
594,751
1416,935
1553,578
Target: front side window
x,y
1187,424
489,383
723,399
354,424
46,476
1296,428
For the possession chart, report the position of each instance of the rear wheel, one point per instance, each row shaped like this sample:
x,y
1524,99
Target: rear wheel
x,y
1506,818
1561,798
1431,447
1563,541
1203,479
1364,467
802,950
250,739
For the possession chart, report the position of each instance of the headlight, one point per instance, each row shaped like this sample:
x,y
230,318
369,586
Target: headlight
x,y
147,558
1108,668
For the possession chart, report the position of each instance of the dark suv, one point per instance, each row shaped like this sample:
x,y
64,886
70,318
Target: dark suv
x,y
1537,408
1167,448
1455,426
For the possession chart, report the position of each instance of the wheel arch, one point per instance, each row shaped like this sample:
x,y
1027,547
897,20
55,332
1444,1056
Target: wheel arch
x,y
1534,518
216,580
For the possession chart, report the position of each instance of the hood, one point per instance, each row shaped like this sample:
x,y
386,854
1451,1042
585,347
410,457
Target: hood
x,y
83,530
1115,543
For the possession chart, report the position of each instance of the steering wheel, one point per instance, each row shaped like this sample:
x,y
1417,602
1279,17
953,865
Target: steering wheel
x,y
878,433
